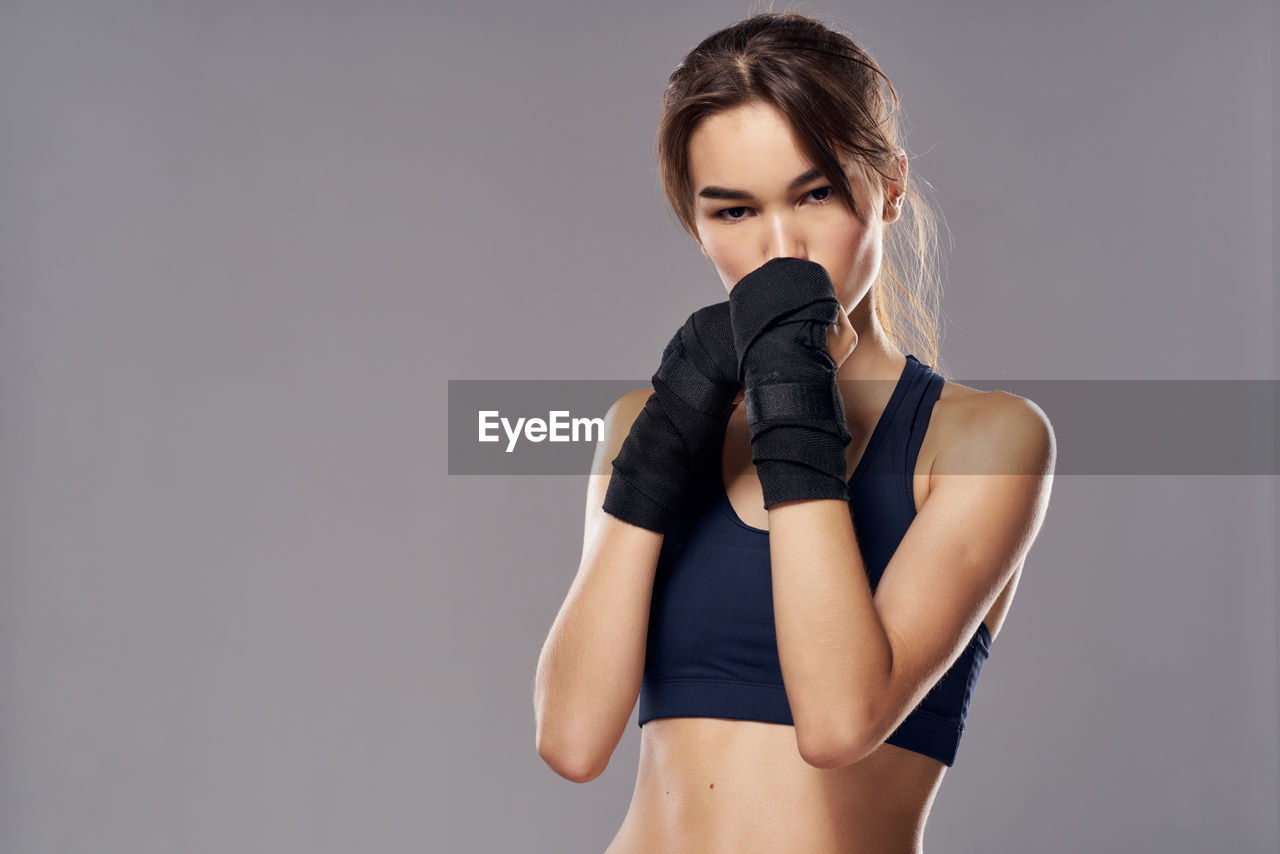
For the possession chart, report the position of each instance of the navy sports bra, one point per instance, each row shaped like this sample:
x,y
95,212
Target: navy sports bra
x,y
712,649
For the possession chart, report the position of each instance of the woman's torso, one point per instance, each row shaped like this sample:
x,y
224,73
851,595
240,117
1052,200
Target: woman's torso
x,y
711,785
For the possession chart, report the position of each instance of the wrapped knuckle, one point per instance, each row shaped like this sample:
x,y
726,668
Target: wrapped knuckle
x,y
811,335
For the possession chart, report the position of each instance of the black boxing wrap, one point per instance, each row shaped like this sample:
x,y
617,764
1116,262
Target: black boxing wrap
x,y
780,313
693,389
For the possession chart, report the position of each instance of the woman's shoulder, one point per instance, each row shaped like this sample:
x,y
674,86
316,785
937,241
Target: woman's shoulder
x,y
623,411
618,420
996,426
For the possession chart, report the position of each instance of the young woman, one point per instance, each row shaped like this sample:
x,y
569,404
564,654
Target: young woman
x,y
800,590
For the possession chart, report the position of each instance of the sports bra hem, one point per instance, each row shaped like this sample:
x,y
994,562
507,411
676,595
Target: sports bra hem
x,y
923,731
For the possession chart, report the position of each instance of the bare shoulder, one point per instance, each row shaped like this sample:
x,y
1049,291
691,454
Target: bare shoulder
x,y
604,537
629,405
618,420
976,431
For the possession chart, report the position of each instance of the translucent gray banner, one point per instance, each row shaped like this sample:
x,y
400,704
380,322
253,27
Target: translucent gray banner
x,y
1128,427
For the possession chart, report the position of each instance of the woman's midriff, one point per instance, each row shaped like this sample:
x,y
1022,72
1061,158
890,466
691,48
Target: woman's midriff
x,y
717,786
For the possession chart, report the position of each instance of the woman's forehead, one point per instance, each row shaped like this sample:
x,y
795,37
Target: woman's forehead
x,y
753,148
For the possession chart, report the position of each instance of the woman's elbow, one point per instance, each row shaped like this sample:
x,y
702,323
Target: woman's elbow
x,y
829,751
574,767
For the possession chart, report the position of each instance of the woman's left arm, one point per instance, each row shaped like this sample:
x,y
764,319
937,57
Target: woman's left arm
x,y
854,664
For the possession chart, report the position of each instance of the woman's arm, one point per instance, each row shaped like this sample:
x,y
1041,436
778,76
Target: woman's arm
x,y
855,665
590,668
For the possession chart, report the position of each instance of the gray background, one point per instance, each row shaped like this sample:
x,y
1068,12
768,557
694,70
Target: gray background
x,y
244,246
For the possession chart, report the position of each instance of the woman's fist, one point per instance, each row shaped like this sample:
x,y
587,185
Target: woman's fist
x,y
841,339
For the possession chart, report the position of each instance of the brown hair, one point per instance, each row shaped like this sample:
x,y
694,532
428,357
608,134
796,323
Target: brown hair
x,y
830,91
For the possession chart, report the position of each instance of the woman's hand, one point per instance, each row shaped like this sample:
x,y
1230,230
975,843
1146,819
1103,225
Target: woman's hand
x,y
842,338
791,333
692,390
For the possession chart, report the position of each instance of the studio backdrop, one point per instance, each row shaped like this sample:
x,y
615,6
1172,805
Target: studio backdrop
x,y
259,590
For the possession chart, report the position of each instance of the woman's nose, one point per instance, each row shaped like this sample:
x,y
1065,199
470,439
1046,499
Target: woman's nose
x,y
783,238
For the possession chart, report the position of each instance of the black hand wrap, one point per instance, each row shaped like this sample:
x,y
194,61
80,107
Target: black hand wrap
x,y
780,314
692,391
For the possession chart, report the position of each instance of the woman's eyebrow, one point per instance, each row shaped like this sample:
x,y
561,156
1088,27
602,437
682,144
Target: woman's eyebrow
x,y
722,193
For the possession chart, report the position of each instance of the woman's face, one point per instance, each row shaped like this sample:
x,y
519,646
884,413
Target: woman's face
x,y
750,152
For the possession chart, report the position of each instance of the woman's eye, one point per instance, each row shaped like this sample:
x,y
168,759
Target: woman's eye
x,y
725,213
